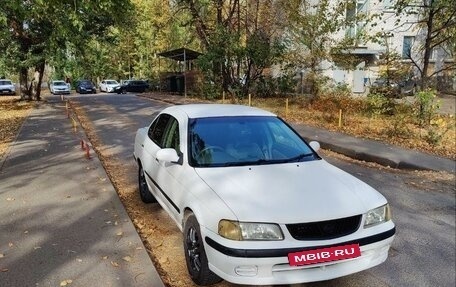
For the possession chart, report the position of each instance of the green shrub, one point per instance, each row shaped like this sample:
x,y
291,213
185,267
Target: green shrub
x,y
425,106
378,104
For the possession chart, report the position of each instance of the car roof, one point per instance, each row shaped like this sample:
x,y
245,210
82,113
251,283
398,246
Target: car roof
x,y
217,110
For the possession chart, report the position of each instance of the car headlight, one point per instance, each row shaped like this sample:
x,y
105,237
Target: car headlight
x,y
377,215
235,230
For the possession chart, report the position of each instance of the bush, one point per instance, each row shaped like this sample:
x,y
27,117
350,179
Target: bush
x,y
267,86
436,130
378,104
425,106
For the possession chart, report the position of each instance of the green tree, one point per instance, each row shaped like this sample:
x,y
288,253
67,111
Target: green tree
x,y
34,30
312,27
239,40
436,24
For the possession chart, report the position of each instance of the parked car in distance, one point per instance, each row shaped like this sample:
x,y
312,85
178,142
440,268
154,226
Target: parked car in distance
x,y
7,87
136,86
108,85
392,88
255,202
85,87
59,87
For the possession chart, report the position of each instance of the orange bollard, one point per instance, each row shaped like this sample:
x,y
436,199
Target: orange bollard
x,y
87,151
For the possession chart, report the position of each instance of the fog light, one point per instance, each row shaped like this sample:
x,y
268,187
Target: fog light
x,y
251,270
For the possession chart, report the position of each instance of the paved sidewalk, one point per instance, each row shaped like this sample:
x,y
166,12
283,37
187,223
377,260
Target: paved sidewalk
x,y
357,148
61,221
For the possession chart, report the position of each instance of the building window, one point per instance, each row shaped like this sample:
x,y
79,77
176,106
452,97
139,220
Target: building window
x,y
388,4
353,14
407,47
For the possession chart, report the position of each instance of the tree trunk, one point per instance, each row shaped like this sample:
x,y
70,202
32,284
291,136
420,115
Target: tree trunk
x,y
40,69
427,47
23,83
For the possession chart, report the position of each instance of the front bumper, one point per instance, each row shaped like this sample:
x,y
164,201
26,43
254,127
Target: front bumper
x,y
86,90
8,91
270,266
61,92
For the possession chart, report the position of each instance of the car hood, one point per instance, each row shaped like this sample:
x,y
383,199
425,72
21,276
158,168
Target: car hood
x,y
291,193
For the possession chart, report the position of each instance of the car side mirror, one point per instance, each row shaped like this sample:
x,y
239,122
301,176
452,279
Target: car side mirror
x,y
315,145
167,155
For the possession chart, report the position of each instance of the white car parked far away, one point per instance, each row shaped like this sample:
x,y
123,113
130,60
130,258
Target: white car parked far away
x,y
7,87
59,88
255,202
108,85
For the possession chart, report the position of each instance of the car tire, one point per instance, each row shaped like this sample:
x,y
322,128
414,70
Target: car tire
x,y
144,192
195,255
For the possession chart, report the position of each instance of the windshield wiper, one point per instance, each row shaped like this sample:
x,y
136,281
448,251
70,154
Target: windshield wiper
x,y
300,157
244,163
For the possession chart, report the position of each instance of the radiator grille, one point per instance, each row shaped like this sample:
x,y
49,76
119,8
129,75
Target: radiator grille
x,y
324,230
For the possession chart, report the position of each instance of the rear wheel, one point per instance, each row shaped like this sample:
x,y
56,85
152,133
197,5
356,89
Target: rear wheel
x,y
144,191
195,255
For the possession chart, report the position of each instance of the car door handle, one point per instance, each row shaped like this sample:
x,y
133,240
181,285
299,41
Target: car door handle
x,y
142,145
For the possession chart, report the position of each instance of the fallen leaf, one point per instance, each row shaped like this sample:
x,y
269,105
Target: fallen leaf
x,y
79,260
66,282
127,258
106,210
2,255
104,257
5,270
10,199
139,248
10,244
25,232
108,222
115,264
120,233
37,247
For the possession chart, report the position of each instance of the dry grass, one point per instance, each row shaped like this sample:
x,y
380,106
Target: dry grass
x,y
12,114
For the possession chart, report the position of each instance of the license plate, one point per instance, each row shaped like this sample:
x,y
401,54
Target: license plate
x,y
324,255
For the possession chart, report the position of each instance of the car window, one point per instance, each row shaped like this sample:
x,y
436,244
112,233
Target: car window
x,y
5,83
246,140
157,129
171,135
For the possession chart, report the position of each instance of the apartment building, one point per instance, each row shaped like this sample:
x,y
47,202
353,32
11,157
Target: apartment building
x,y
400,35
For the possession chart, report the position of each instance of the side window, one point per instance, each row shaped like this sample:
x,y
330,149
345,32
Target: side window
x,y
158,128
171,138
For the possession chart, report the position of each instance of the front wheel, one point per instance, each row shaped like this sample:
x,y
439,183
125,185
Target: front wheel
x,y
144,192
195,255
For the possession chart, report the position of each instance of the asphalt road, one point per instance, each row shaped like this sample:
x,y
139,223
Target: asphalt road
x,y
423,253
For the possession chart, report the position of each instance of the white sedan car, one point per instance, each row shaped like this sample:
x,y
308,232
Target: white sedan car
x,y
7,87
255,202
108,86
59,88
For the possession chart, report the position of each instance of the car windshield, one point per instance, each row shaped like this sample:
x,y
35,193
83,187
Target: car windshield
x,y
59,83
111,83
5,82
245,140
